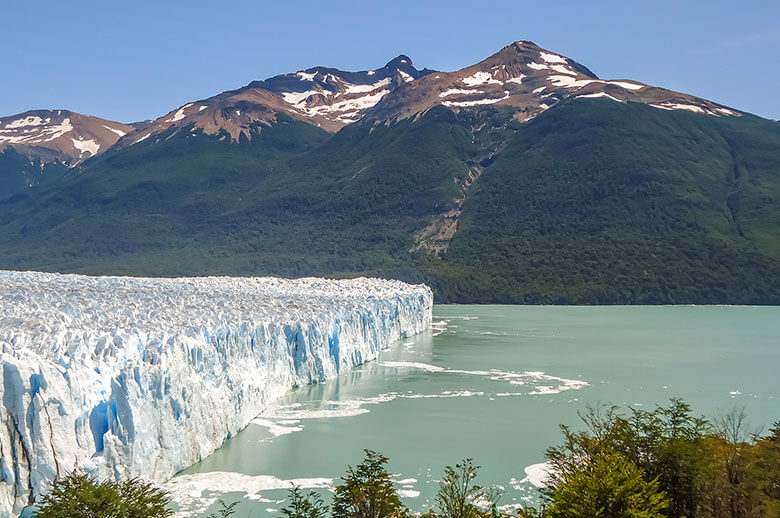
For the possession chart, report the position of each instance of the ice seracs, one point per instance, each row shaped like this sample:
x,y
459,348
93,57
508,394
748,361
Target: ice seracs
x,y
129,377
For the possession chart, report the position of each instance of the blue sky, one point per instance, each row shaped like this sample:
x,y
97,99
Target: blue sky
x,y
135,60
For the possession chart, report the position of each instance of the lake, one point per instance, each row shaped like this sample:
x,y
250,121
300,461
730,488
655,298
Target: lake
x,y
492,383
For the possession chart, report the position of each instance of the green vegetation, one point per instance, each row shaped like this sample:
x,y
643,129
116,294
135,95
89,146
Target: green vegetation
x,y
458,496
664,463
18,173
367,491
225,510
77,496
609,487
592,202
301,505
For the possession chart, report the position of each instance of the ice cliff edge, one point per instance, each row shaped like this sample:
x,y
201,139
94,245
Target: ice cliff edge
x,y
128,377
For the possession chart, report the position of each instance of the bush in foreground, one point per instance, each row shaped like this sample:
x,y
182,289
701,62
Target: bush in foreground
x,y
367,491
458,495
77,496
609,487
301,505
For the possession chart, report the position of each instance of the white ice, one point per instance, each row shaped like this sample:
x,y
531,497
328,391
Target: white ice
x,y
129,377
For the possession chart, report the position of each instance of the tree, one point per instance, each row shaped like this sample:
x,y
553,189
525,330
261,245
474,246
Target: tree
x,y
367,491
77,496
607,487
458,495
731,426
763,473
225,510
667,444
309,505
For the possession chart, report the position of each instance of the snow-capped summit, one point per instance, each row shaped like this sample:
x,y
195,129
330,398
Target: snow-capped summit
x,y
325,97
521,77
59,135
528,79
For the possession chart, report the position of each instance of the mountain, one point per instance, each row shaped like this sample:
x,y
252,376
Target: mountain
x,y
529,80
39,146
522,179
60,135
325,97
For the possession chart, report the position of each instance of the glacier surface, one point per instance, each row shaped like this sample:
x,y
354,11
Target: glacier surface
x,y
124,377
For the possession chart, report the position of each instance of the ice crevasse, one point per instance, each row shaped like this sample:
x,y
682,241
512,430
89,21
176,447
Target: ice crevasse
x,y
141,377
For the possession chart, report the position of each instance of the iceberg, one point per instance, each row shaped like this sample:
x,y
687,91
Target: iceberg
x,y
142,377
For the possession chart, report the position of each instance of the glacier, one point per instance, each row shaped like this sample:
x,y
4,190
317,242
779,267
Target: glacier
x,y
142,377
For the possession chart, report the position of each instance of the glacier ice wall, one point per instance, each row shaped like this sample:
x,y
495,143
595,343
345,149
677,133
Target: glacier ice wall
x,y
126,377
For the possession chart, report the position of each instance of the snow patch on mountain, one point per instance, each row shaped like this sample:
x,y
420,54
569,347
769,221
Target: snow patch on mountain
x,y
306,76
86,146
552,58
459,91
116,131
477,102
179,115
717,111
360,89
480,78
599,94
43,131
406,77
32,120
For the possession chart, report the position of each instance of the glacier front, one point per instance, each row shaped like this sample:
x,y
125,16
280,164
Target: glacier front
x,y
142,377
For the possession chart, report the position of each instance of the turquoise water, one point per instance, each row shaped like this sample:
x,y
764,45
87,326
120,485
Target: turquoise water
x,y
493,383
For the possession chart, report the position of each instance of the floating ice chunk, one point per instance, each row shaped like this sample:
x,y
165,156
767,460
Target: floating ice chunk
x,y
196,492
536,474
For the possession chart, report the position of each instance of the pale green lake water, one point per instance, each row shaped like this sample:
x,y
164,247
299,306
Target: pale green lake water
x,y
472,388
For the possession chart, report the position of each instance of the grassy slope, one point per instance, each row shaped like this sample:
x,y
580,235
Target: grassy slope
x,y
18,172
601,202
591,202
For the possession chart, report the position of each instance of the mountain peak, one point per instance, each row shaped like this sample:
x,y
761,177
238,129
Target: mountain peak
x,y
400,61
59,134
